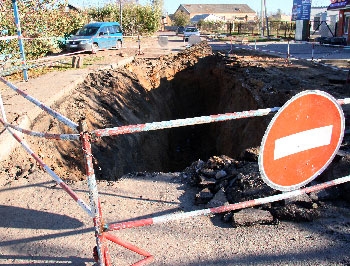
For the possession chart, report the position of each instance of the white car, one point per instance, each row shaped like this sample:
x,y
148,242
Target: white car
x,y
189,31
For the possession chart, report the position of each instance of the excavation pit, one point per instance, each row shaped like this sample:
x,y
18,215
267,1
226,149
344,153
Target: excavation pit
x,y
189,84
173,87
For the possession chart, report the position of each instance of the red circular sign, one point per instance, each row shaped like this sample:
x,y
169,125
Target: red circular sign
x,y
301,140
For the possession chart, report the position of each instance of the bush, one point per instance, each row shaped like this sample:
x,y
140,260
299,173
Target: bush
x,y
46,24
42,24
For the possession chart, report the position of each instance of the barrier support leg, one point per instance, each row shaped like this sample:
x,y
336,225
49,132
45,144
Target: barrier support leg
x,y
101,245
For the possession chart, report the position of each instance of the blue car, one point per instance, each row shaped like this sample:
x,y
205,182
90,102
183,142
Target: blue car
x,y
96,36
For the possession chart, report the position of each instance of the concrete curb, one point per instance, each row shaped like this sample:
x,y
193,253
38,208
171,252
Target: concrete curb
x,y
66,86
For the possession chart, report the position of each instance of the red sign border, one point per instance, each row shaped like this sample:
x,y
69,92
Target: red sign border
x,y
271,124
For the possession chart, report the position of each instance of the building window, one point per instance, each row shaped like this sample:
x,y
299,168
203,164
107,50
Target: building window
x,y
317,22
346,24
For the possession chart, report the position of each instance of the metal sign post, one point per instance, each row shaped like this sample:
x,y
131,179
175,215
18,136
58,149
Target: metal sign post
x,y
20,41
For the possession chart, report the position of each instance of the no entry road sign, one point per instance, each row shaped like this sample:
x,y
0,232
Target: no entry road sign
x,y
301,140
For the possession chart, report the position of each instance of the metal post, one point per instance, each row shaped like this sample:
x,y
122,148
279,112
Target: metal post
x,y
267,21
101,246
262,18
2,109
313,50
121,14
20,41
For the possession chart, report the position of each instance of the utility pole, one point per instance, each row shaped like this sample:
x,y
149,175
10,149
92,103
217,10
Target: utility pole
x,y
120,14
262,18
267,21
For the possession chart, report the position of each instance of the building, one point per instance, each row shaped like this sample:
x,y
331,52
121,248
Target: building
x,y
323,22
343,24
226,12
280,17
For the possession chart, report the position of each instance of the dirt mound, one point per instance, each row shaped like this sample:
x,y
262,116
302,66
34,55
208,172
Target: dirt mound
x,y
223,180
192,83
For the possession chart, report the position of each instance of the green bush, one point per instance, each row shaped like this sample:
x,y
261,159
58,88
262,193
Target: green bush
x,y
40,21
46,24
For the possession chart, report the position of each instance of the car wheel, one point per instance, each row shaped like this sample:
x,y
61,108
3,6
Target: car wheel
x,y
119,44
94,48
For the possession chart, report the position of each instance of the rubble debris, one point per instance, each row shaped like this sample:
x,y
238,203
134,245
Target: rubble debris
x,y
252,216
218,200
296,213
204,196
224,180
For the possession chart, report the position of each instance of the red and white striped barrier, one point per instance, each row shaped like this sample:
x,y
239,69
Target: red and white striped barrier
x,y
188,121
4,38
45,135
55,114
47,169
226,208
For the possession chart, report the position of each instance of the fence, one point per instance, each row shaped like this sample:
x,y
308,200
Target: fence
x,y
325,52
102,230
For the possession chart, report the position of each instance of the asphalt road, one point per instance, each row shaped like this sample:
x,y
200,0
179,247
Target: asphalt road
x,y
334,55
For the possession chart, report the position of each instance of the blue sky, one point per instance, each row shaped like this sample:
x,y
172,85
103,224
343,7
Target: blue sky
x,y
272,5
170,6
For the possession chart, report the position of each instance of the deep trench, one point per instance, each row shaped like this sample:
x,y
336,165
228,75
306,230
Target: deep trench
x,y
202,89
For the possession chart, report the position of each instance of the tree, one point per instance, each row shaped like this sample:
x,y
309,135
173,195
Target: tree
x,y
181,19
159,4
42,23
136,18
46,22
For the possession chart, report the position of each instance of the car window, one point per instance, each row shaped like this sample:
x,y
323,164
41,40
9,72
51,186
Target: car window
x,y
191,30
117,29
87,31
104,31
111,29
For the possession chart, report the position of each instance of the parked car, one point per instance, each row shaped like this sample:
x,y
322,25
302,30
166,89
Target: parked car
x,y
95,36
331,40
180,30
189,31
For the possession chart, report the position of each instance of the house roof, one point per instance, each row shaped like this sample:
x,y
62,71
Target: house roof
x,y
205,17
217,8
74,7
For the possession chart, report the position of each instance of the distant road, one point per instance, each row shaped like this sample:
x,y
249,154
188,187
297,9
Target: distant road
x,y
335,55
298,50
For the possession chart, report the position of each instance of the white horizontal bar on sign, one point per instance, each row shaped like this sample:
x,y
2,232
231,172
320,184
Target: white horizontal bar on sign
x,y
302,141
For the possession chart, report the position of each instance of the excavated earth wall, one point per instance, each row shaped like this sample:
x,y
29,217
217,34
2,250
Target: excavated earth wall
x,y
192,83
189,84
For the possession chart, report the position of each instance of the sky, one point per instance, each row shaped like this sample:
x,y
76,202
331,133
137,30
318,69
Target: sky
x,y
170,6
